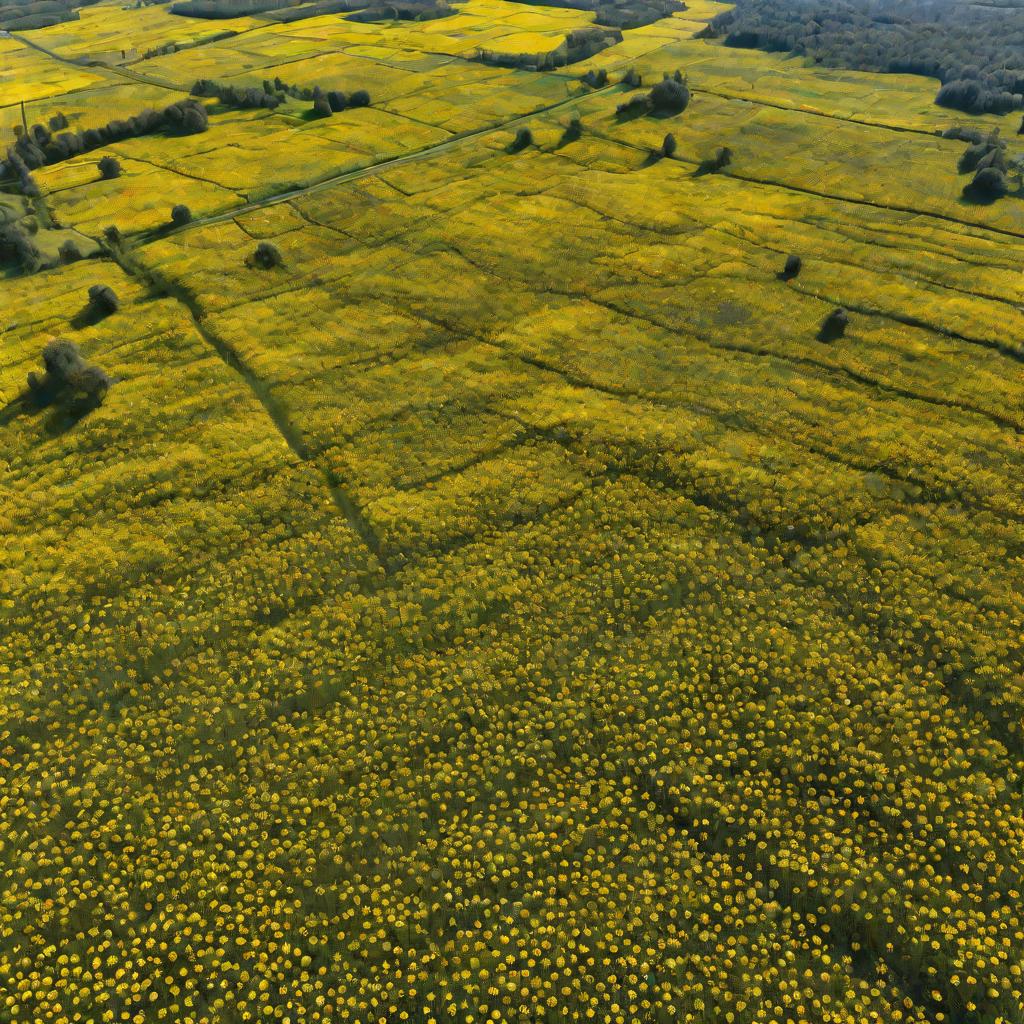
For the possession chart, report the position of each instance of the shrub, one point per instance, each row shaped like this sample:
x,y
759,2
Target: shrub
x,y
267,255
102,300
17,246
109,167
85,389
987,185
61,358
834,325
633,107
180,215
524,138
112,236
69,252
670,96
68,379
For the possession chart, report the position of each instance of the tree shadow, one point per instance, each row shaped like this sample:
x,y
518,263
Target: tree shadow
x,y
88,316
33,402
631,111
972,196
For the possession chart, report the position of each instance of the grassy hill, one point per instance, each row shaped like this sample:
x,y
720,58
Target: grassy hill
x,y
507,608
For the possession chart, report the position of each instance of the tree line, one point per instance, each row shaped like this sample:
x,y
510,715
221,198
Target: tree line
x,y
273,94
40,146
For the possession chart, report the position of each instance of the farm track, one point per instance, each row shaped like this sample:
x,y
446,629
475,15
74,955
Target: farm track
x,y
291,434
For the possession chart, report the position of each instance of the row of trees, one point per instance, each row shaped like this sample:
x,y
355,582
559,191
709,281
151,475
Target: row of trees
x,y
40,147
273,93
975,50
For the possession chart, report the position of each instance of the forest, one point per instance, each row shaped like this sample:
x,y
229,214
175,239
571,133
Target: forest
x,y
976,51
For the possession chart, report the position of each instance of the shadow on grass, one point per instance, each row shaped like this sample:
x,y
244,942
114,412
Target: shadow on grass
x,y
31,404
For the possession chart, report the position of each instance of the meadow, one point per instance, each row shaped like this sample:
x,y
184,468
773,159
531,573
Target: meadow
x,y
506,608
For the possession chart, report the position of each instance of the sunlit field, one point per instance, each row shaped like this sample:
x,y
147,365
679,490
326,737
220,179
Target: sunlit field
x,y
504,601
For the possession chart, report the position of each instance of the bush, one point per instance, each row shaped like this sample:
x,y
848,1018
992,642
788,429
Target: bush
x,y
988,185
267,255
61,358
85,389
180,215
102,300
524,138
68,379
670,96
633,107
109,168
834,325
69,252
18,247
112,236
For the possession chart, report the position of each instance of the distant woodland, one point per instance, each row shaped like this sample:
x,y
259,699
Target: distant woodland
x,y
976,51
19,15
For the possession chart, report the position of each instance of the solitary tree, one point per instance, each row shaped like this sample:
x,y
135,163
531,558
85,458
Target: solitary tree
x,y
109,167
668,145
793,267
267,255
524,138
103,300
69,252
180,215
321,106
834,325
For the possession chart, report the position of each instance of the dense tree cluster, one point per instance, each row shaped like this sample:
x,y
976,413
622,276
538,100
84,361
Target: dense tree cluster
x,y
595,78
409,10
670,96
39,147
69,380
18,247
987,159
975,50
625,13
22,15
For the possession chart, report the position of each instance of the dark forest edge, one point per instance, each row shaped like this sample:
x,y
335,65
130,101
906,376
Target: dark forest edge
x,y
976,52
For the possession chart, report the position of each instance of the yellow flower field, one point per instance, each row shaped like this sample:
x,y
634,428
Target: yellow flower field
x,y
505,608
